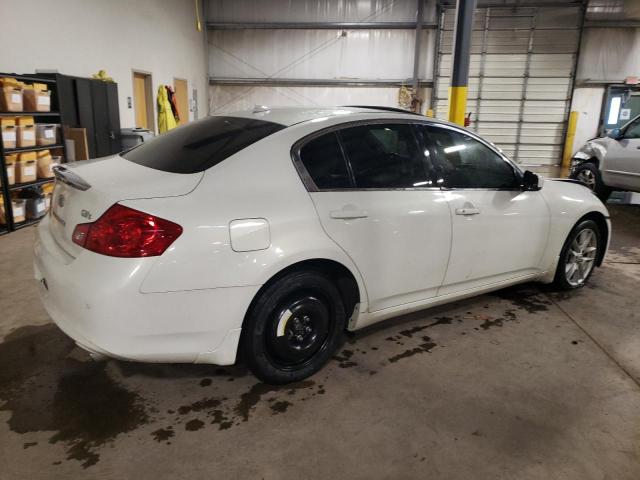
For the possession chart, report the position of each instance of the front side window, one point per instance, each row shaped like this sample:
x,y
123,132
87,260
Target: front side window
x,y
464,162
384,156
324,162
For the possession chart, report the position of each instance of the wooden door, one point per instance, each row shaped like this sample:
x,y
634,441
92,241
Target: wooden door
x,y
182,99
140,99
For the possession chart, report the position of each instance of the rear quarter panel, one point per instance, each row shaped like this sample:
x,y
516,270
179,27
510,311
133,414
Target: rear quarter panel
x,y
258,182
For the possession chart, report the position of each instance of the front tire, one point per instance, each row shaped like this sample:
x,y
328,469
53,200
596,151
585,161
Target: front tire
x,y
293,328
588,174
578,256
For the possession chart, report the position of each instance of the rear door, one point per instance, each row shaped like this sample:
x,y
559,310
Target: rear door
x,y
622,161
499,230
375,197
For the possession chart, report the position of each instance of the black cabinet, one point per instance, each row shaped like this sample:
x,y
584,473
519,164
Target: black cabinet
x,y
93,105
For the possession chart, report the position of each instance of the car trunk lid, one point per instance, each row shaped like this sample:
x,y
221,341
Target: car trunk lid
x,y
85,190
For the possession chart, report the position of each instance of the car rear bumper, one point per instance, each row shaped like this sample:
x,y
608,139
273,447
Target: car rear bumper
x,y
96,300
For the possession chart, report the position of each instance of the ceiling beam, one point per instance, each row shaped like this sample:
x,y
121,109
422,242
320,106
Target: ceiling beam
x,y
318,25
316,82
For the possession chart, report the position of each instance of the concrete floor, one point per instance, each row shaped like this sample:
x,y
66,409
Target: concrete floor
x,y
522,384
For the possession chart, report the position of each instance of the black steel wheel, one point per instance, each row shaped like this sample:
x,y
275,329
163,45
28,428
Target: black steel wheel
x,y
293,327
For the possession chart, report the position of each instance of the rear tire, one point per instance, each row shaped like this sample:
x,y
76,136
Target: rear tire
x,y
588,174
578,256
293,328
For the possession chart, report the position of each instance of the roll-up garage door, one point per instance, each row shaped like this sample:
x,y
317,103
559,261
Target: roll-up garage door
x,y
520,79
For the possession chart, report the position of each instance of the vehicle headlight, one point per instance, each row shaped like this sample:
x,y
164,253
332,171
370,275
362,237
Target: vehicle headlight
x,y
585,153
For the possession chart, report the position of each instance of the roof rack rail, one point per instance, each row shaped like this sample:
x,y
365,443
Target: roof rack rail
x,y
387,109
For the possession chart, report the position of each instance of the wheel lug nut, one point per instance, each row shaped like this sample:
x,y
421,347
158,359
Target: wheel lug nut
x,y
307,329
299,338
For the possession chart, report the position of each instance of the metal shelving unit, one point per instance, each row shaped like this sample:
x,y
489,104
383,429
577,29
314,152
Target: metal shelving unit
x,y
39,117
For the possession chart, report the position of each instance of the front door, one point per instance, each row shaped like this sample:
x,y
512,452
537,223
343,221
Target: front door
x,y
621,166
376,200
499,230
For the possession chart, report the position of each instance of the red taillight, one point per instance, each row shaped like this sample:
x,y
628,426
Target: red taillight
x,y
125,232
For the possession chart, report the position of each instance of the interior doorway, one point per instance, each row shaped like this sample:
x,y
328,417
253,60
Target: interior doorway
x,y
182,99
143,100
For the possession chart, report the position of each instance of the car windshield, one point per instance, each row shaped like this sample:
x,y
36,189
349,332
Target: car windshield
x,y
200,145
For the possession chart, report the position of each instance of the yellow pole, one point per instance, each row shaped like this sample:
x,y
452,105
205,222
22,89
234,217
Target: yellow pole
x,y
568,142
457,104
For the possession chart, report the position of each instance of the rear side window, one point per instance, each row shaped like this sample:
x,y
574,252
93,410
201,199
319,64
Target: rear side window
x,y
200,145
323,159
384,156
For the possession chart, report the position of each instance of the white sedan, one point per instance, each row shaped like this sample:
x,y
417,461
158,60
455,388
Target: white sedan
x,y
265,234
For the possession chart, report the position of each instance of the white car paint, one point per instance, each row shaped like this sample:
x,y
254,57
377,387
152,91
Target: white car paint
x,y
249,217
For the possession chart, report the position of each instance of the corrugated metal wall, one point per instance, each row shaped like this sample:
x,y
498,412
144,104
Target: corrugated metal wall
x,y
521,78
308,59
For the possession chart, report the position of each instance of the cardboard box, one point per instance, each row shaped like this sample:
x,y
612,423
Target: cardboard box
x,y
26,167
11,99
26,136
75,140
10,163
46,133
18,207
9,133
36,100
3,217
24,120
46,163
19,210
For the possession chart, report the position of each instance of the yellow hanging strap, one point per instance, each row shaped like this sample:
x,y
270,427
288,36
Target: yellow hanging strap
x,y
198,23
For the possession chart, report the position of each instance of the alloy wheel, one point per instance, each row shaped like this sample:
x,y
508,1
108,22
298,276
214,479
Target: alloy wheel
x,y
581,257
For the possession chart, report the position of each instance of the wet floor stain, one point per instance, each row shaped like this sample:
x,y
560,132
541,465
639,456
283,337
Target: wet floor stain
x,y
193,425
525,297
344,359
46,390
426,346
163,434
280,407
49,388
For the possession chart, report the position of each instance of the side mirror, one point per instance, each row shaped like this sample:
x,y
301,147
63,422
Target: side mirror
x,y
615,133
531,181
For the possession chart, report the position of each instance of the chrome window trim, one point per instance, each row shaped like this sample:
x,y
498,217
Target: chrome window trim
x,y
312,187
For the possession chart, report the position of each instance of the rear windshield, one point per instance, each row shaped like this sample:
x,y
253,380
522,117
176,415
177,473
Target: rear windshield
x,y
200,145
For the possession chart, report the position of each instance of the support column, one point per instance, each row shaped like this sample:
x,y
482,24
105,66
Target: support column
x,y
461,57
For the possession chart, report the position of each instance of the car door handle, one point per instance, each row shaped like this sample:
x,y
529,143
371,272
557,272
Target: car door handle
x,y
467,211
348,214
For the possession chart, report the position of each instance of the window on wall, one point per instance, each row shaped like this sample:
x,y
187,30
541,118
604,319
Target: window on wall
x,y
464,162
384,156
324,162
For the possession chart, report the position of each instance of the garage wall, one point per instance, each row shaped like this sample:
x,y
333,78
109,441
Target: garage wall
x,y
310,58
80,37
